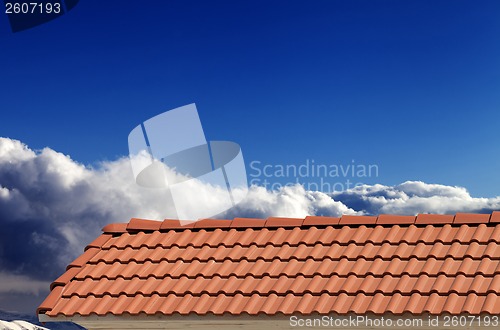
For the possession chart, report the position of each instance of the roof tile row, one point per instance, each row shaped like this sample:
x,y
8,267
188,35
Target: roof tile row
x,y
282,285
310,236
292,268
273,304
318,251
274,222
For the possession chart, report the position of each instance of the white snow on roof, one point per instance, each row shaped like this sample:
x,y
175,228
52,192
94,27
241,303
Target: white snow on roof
x,y
19,325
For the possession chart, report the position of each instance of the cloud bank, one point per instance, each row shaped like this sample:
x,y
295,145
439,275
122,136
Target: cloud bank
x,y
52,206
413,197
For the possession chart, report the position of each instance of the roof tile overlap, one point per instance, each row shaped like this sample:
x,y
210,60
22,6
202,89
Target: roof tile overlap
x,y
386,264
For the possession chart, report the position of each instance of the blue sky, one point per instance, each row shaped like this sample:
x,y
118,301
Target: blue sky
x,y
412,86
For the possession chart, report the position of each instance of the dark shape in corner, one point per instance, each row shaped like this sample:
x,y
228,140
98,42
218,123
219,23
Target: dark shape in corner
x,y
28,14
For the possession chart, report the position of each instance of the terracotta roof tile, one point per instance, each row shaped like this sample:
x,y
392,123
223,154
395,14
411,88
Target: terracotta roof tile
x,y
65,278
495,217
255,304
115,228
389,219
357,220
84,258
397,264
461,218
320,221
99,241
283,222
143,225
51,300
247,223
212,223
434,219
176,224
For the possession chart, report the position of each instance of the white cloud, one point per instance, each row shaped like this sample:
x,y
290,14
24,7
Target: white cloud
x,y
413,197
289,201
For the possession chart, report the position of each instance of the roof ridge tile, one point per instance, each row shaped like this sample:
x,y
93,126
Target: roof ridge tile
x,y
212,223
434,219
283,222
320,221
357,220
115,228
495,217
392,219
470,218
248,223
136,224
176,224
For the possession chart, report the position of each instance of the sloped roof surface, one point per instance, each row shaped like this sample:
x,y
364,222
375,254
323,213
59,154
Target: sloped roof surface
x,y
396,264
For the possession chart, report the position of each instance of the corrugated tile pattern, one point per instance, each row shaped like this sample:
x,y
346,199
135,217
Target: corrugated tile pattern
x,y
397,264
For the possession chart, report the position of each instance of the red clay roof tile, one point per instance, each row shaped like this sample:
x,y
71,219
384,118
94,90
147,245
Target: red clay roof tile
x,y
84,258
283,222
247,223
115,228
212,223
176,224
320,221
65,278
99,241
434,219
390,219
357,220
143,225
51,300
461,218
495,217
379,265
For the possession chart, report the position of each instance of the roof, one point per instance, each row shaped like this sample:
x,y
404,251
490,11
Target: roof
x,y
354,264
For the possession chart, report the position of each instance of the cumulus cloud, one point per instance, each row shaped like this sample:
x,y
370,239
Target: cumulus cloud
x,y
413,197
288,201
52,206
